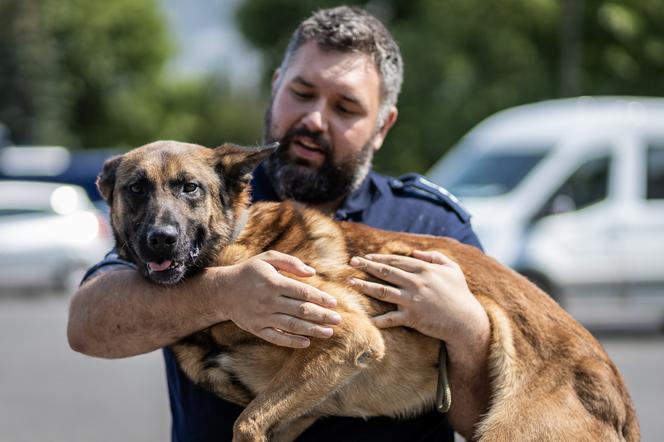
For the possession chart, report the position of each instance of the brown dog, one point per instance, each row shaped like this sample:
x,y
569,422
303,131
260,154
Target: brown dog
x,y
177,208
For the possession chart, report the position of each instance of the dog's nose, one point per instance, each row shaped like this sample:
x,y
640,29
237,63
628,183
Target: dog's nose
x,y
162,238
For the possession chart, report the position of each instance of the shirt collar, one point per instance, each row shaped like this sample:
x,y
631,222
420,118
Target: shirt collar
x,y
372,188
261,188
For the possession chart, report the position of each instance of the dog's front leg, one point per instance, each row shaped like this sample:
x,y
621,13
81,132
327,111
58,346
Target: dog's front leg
x,y
307,378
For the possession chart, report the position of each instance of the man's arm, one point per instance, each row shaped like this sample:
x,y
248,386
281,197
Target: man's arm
x,y
432,297
118,313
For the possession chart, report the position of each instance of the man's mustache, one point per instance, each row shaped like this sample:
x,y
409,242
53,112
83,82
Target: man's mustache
x,y
316,137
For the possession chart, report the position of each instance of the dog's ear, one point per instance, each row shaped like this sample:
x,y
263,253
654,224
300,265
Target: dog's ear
x,y
106,179
237,162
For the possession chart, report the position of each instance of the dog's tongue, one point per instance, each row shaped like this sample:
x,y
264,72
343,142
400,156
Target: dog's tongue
x,y
160,267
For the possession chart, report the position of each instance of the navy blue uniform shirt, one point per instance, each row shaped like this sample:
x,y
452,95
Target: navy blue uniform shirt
x,y
408,204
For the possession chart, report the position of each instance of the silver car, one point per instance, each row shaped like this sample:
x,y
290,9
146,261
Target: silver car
x,y
50,233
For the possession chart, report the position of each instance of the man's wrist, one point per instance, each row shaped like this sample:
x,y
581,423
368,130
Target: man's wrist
x,y
472,336
215,288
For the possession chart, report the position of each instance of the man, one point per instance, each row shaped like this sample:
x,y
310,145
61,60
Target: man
x,y
333,102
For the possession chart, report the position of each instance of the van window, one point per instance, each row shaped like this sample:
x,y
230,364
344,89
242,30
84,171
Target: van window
x,y
494,173
655,183
588,185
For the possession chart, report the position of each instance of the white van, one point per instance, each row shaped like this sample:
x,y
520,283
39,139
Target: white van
x,y
569,192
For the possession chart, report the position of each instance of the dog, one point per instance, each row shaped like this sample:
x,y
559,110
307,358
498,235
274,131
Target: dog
x,y
177,208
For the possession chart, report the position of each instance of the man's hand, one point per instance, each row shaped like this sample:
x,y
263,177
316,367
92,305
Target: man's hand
x,y
432,296
429,290
277,308
118,313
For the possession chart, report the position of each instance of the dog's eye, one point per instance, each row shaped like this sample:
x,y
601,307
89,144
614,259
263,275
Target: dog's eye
x,y
136,188
189,187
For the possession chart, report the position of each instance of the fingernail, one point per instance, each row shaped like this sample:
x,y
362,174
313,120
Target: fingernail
x,y
305,343
369,257
327,332
309,269
335,317
354,261
351,281
332,302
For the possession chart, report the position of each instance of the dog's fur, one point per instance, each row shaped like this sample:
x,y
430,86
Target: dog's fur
x,y
550,379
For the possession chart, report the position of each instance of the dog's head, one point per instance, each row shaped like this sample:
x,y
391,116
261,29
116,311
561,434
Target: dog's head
x,y
174,206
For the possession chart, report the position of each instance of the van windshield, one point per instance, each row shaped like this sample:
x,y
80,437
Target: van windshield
x,y
494,173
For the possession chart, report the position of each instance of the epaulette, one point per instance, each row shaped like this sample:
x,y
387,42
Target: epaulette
x,y
416,185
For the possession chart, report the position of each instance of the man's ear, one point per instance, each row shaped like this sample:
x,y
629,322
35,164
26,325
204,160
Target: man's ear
x,y
390,119
275,80
106,179
237,162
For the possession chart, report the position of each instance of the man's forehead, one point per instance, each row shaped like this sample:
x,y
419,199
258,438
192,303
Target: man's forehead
x,y
315,65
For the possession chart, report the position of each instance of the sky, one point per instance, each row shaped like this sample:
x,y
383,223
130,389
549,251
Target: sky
x,y
208,40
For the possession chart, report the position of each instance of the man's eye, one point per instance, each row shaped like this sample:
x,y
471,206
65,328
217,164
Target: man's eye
x,y
136,188
302,95
189,187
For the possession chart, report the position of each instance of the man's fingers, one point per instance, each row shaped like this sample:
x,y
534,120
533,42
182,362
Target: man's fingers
x,y
402,262
278,337
394,318
296,326
287,263
433,257
305,292
307,311
385,272
379,291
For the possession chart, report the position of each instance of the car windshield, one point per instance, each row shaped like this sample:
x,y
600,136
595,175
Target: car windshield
x,y
494,173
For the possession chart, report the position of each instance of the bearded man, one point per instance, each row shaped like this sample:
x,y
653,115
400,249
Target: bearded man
x,y
333,103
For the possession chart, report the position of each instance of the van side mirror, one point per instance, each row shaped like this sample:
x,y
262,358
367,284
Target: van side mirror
x,y
561,204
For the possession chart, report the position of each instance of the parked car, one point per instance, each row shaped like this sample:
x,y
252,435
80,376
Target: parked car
x,y
50,233
56,164
569,192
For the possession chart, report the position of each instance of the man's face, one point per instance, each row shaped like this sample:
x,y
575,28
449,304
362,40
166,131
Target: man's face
x,y
324,112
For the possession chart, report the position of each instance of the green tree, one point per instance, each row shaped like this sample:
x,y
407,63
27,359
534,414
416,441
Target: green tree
x,y
91,73
107,51
31,94
466,59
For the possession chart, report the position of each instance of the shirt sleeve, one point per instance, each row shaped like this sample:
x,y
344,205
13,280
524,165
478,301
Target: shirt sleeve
x,y
466,235
110,262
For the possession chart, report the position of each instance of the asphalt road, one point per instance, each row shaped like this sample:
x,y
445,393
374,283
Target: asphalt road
x,y
49,393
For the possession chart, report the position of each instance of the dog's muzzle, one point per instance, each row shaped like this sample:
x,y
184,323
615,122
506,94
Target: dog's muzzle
x,y
162,240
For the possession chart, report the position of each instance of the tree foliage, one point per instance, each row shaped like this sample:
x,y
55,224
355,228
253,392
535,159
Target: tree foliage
x,y
29,91
466,59
90,73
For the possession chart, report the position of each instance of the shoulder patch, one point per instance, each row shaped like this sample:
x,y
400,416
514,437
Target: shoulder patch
x,y
416,185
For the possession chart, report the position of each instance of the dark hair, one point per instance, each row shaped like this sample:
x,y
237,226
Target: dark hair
x,y
351,29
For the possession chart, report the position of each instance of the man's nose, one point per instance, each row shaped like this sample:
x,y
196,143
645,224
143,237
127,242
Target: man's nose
x,y
315,119
162,239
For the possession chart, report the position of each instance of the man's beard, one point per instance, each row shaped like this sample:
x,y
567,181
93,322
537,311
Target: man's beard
x,y
295,179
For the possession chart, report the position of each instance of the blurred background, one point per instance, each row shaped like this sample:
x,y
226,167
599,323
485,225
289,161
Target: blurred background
x,y
543,116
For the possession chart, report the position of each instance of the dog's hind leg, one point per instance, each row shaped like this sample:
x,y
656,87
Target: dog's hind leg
x,y
309,377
